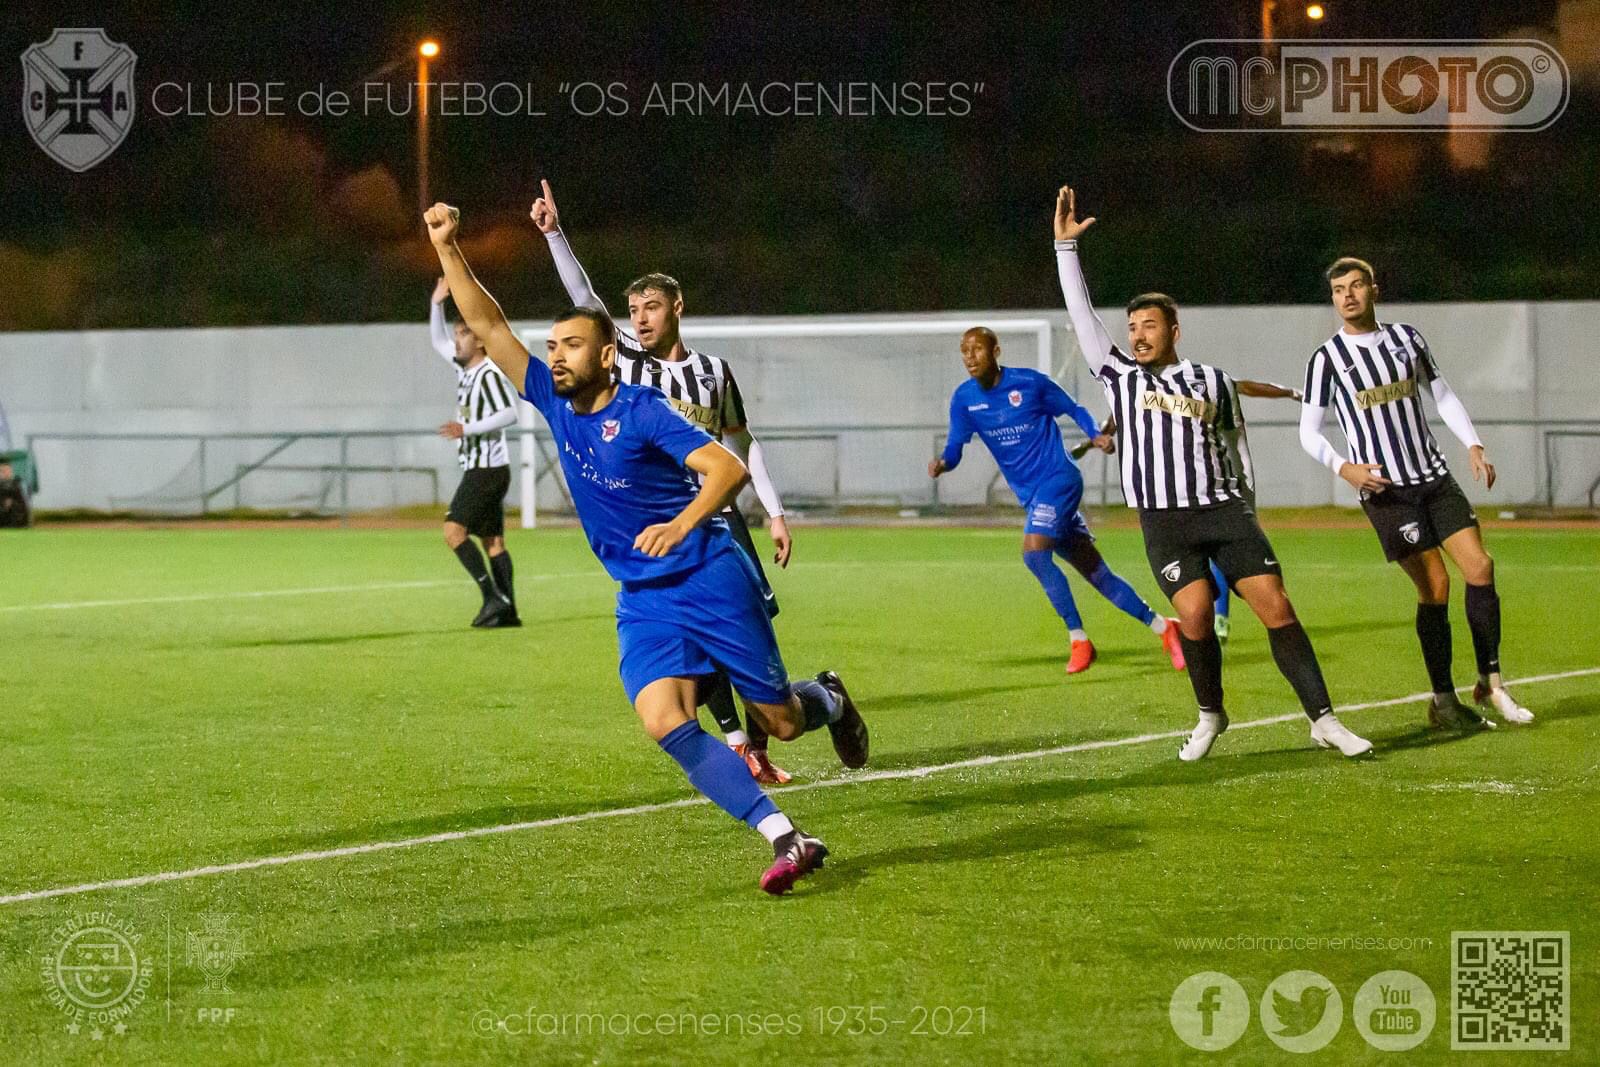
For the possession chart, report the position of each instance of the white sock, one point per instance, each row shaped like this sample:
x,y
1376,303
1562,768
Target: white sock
x,y
1159,625
1078,635
775,826
736,738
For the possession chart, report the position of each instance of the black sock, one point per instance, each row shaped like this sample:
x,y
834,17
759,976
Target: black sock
x,y
1433,631
472,559
816,702
1291,650
719,699
1204,660
500,566
1483,619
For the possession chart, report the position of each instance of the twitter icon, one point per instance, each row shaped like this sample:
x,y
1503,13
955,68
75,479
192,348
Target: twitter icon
x,y
1301,1011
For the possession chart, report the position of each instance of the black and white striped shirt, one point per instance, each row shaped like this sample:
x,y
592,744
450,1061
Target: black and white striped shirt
x,y
1374,382
699,386
1175,429
1174,423
482,392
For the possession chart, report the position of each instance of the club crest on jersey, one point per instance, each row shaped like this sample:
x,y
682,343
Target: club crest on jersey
x,y
1172,571
609,430
1411,532
1015,396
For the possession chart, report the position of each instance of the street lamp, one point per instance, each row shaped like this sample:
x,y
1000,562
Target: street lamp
x,y
428,49
1314,12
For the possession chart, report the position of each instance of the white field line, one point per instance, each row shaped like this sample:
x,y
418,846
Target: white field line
x,y
68,605
687,802
196,598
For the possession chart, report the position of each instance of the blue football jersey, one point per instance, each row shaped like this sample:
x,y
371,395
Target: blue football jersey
x,y
624,469
1017,422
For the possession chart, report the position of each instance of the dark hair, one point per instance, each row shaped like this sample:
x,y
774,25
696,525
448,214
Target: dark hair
x,y
665,283
1346,264
986,333
1168,306
602,321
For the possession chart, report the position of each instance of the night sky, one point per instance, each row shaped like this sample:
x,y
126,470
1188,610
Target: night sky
x,y
242,219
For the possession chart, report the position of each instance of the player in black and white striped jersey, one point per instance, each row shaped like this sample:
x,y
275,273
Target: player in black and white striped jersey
x,y
1372,373
1174,417
485,406
703,389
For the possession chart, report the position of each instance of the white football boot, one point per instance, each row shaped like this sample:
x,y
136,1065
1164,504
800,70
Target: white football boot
x,y
1498,698
1329,732
1207,730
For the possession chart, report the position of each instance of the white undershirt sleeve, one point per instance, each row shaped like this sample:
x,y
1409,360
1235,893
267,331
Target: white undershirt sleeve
x,y
579,288
1093,340
439,333
1312,440
1454,414
506,416
746,447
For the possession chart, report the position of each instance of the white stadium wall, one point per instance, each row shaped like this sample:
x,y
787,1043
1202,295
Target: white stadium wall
x,y
852,416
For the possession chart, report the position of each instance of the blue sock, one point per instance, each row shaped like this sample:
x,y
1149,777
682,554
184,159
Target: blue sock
x,y
1116,589
1221,605
1055,586
722,776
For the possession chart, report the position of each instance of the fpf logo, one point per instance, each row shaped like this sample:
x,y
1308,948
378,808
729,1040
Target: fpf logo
x,y
78,96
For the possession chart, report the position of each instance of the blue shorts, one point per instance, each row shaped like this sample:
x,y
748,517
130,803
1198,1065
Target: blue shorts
x,y
1053,512
697,623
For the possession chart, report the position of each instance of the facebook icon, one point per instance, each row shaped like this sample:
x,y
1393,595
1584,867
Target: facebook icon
x,y
1209,1011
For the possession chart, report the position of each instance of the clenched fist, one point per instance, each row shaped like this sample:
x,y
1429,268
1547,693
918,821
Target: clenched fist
x,y
443,222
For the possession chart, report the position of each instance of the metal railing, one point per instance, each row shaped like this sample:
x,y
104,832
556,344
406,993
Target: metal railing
x,y
543,460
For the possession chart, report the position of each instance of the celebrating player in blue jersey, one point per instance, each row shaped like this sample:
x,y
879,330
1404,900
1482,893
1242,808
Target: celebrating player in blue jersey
x,y
1014,411
689,605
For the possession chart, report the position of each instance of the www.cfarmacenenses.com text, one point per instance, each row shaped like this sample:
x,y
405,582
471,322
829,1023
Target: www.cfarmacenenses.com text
x,y
613,99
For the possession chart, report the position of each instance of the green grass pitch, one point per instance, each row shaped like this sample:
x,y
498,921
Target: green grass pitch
x,y
1038,910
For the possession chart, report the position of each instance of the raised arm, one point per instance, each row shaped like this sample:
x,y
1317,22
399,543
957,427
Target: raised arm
x,y
438,331
580,290
1093,340
477,307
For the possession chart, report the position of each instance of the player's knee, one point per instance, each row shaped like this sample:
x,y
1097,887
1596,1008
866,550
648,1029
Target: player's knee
x,y
1436,588
1038,560
785,727
1277,612
1479,571
454,535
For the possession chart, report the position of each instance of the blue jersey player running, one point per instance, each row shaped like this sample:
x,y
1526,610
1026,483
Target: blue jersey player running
x,y
690,605
1014,411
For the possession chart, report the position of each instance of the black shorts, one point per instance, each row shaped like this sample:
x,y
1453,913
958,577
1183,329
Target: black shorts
x,y
480,501
741,535
1414,518
1181,543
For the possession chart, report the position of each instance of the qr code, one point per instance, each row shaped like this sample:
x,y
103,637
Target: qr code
x,y
1510,989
